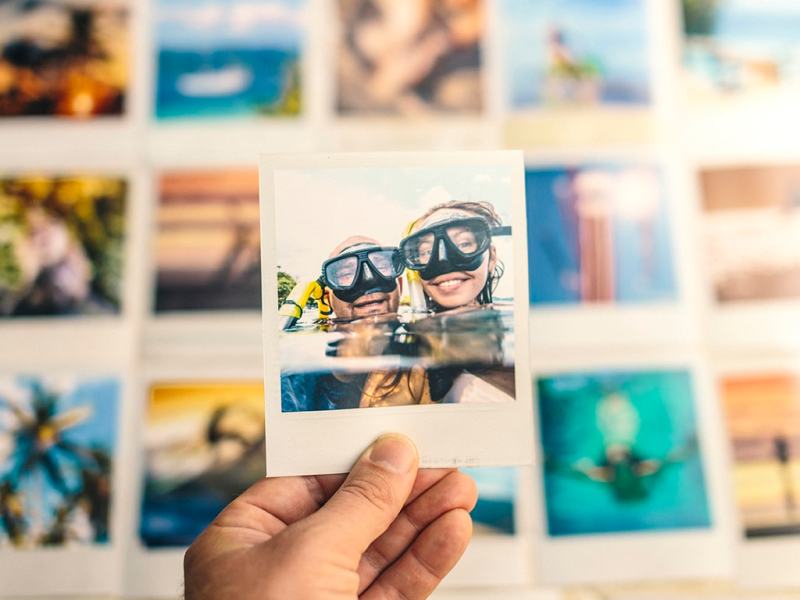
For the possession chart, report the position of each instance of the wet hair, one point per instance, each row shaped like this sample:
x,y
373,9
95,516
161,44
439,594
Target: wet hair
x,y
487,212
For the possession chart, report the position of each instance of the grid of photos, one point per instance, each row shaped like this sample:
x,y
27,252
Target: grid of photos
x,y
625,454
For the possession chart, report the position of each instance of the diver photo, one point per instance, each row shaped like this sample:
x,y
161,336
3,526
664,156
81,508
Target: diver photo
x,y
399,283
621,453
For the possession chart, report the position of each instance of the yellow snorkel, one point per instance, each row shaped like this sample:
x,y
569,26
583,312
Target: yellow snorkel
x,y
298,299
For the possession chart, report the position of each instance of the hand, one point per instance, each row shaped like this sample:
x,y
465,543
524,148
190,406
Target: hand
x,y
386,531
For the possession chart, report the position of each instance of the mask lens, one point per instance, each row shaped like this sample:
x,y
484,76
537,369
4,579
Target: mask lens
x,y
383,261
342,273
417,250
466,239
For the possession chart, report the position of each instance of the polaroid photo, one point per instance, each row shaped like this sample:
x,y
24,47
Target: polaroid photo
x,y
740,70
432,92
200,444
577,72
605,266
232,77
395,283
67,245
81,73
761,404
633,472
60,474
750,228
202,266
499,553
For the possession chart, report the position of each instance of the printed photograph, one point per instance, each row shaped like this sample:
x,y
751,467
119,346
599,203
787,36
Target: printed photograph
x,y
495,512
61,245
598,234
763,415
207,248
204,445
575,53
752,231
621,453
224,59
57,452
64,58
410,58
736,47
395,285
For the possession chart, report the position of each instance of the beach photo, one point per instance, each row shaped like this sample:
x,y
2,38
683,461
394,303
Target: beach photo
x,y
57,454
410,58
752,232
61,245
575,52
203,446
620,453
64,58
599,234
575,71
207,252
763,417
736,48
228,59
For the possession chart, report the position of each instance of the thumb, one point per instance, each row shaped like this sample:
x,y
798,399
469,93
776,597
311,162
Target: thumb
x,y
372,495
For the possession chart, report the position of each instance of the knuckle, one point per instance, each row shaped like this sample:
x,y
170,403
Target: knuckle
x,y
374,489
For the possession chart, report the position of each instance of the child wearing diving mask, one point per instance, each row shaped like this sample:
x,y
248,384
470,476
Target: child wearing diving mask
x,y
451,249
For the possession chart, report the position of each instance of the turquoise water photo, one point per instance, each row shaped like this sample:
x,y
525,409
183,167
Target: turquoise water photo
x,y
497,498
229,59
621,453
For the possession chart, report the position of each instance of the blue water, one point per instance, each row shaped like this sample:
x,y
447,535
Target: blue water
x,y
497,497
611,34
270,68
642,257
676,497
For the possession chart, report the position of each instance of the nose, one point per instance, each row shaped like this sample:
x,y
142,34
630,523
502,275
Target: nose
x,y
368,276
442,251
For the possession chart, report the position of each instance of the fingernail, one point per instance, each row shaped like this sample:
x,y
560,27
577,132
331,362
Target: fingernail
x,y
394,452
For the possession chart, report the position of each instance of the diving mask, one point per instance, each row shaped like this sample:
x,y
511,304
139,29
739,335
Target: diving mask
x,y
448,246
357,273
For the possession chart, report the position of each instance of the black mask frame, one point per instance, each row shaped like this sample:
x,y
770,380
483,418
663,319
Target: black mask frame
x,y
446,256
368,278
